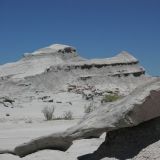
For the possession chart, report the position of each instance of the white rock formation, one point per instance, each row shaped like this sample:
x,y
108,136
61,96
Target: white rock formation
x,y
38,61
62,63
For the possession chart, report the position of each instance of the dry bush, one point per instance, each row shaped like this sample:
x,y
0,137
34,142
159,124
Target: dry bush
x,y
68,115
89,108
48,112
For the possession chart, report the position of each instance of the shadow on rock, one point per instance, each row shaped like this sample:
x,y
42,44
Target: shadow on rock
x,y
127,142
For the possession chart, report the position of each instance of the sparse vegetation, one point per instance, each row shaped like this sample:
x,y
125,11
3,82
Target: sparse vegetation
x,y
110,98
89,108
28,121
48,112
68,115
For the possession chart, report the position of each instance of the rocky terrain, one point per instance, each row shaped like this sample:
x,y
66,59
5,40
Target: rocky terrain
x,y
57,76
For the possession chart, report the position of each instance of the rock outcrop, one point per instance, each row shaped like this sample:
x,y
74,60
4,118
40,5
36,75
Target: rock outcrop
x,y
117,119
55,49
62,57
38,61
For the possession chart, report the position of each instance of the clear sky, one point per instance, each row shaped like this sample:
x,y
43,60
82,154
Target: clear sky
x,y
97,28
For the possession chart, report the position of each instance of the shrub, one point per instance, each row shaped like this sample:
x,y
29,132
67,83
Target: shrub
x,y
110,98
68,115
89,108
28,120
48,112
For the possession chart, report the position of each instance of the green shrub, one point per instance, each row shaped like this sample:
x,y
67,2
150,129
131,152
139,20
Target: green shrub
x,y
110,98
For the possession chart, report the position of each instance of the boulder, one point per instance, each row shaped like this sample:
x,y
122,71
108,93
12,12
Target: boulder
x,y
128,143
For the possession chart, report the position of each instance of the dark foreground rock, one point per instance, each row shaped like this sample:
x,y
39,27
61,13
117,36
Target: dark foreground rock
x,y
126,143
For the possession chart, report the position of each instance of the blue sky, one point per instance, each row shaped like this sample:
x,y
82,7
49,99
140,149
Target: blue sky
x,y
97,28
